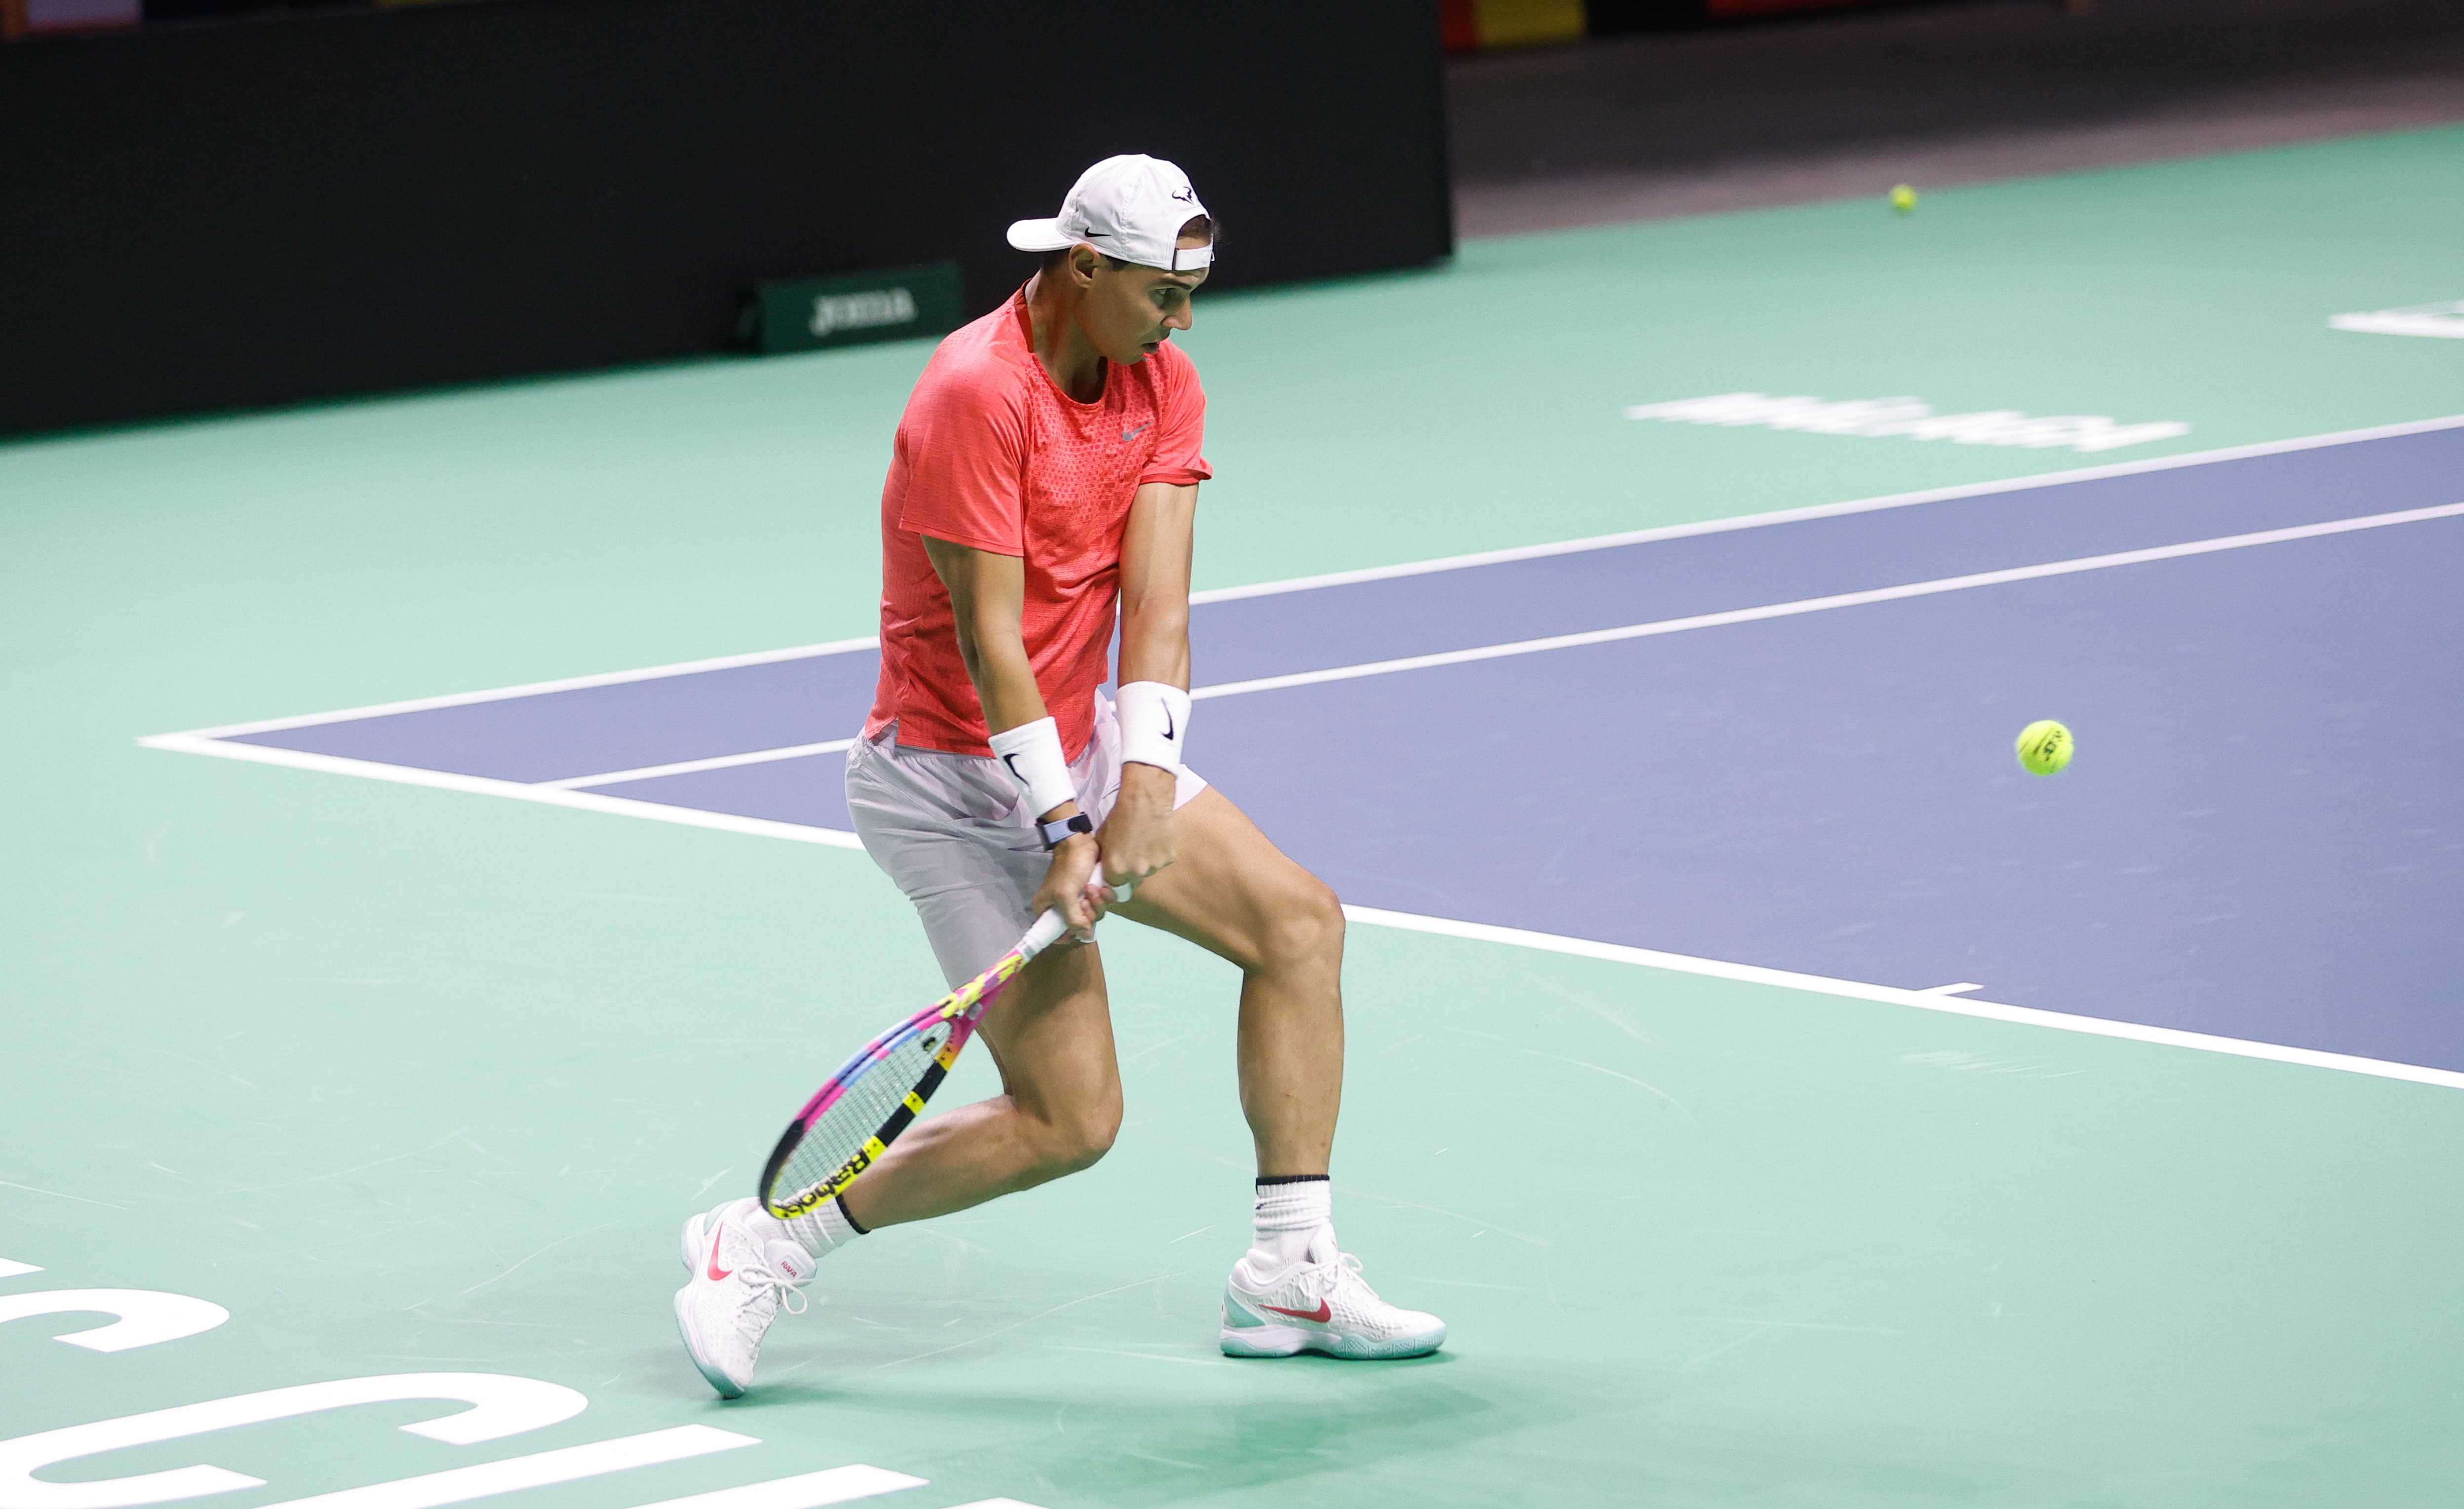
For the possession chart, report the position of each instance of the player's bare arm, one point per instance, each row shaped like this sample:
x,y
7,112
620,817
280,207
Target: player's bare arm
x,y
987,602
1138,838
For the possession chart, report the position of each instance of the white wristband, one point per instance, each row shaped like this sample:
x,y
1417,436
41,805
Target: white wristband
x,y
1031,753
1155,723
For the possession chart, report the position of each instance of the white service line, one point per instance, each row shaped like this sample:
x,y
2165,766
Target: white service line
x,y
688,767
1889,500
836,1485
1842,600
513,1474
483,786
1338,578
1927,1000
1455,657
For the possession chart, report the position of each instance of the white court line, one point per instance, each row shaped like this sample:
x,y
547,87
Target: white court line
x,y
1841,599
1933,999
1722,526
483,786
560,795
1925,1000
1337,578
513,1474
688,767
206,742
836,1485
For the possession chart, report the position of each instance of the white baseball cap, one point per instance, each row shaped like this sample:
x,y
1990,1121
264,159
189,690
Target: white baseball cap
x,y
1130,206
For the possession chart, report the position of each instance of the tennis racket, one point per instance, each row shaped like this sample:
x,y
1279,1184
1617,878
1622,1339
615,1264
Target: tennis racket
x,y
878,1094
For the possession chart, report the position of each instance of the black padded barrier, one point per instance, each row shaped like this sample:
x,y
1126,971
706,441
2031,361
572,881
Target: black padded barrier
x,y
239,214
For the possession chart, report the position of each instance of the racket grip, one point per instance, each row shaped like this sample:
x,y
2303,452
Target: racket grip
x,y
1047,930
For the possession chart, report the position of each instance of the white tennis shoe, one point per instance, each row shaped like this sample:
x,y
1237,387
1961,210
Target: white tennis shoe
x,y
740,1280
1320,1306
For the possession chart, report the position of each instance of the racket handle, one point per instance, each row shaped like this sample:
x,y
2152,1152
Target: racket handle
x,y
1046,932
1050,926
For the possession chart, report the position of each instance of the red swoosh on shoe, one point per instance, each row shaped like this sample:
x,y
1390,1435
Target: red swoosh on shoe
x,y
719,1274
1322,1312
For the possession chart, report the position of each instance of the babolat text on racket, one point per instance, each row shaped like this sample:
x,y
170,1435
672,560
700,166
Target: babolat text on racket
x,y
878,1094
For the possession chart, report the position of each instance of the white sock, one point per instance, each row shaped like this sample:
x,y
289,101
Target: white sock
x,y
1290,1213
819,1232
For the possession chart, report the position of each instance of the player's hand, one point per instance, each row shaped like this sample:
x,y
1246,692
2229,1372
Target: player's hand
x,y
1069,887
1138,837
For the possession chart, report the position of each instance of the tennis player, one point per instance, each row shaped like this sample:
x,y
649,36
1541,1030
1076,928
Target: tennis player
x,y
1046,476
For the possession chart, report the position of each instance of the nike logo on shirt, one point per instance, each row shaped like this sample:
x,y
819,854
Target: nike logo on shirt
x,y
1132,434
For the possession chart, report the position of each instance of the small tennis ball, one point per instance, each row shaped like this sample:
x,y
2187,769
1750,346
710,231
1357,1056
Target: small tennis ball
x,y
1904,198
2045,748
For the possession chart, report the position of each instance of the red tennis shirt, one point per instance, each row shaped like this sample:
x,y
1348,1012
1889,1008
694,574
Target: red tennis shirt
x,y
991,453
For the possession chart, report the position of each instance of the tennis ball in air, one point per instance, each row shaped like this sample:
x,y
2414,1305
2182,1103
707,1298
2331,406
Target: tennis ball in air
x,y
2045,748
1904,198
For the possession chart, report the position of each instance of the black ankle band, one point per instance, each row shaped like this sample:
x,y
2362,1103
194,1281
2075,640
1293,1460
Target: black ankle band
x,y
858,1227
1265,1179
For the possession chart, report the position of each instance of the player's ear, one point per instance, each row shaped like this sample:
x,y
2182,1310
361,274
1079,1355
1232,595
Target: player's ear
x,y
1083,259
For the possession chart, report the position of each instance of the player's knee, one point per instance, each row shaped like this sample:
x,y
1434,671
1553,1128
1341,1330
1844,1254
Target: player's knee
x,y
1308,925
1080,1141
1093,1141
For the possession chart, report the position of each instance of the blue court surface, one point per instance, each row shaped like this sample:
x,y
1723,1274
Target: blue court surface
x,y
1781,742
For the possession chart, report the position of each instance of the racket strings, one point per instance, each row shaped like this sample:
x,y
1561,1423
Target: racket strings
x,y
877,1102
872,1108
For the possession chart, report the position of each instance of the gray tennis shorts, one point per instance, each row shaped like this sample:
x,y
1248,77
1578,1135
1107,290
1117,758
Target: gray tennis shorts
x,y
953,830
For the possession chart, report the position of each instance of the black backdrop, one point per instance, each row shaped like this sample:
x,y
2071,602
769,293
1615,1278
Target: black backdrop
x,y
248,213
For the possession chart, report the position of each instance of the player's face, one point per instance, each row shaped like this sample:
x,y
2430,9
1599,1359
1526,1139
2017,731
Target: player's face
x,y
1134,309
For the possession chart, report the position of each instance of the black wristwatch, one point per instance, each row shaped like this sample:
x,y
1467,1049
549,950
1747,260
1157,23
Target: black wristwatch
x,y
1056,832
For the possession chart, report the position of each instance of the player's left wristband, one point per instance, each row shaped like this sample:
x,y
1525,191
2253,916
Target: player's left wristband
x,y
1031,753
1155,723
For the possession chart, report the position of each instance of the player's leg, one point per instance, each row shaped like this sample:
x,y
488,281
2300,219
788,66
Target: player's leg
x,y
948,830
1236,895
1233,893
941,826
1051,1037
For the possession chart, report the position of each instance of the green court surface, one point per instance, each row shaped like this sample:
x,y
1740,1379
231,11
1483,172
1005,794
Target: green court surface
x,y
412,1082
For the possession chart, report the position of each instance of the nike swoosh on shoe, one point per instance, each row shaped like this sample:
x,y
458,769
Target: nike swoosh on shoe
x,y
1323,1313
